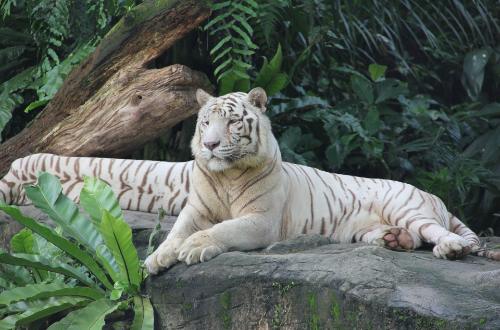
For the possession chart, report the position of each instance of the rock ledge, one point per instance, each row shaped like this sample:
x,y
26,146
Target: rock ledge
x,y
306,283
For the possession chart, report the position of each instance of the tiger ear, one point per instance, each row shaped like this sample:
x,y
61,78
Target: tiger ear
x,y
258,98
202,97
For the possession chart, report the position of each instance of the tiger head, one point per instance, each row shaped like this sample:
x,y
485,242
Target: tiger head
x,y
232,130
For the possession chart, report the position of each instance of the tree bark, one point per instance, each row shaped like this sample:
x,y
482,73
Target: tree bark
x,y
115,100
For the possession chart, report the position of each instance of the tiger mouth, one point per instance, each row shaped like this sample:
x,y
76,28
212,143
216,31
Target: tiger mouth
x,y
215,157
227,159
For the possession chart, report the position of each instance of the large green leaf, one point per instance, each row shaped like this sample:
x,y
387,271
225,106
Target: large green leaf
x,y
22,242
363,88
229,82
47,196
77,291
15,274
47,290
473,71
96,196
390,89
377,71
269,76
241,85
70,248
39,262
372,122
118,237
91,317
144,318
47,249
28,291
39,309
276,84
486,147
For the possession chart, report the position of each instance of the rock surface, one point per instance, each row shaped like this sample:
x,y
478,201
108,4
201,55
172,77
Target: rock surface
x,y
306,283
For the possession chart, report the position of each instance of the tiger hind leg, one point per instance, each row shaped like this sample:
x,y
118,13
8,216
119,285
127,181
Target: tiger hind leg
x,y
391,237
447,245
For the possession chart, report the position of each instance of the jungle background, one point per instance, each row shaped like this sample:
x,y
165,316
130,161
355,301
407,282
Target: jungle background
x,y
403,90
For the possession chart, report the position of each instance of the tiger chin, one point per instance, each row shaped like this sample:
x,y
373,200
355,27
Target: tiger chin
x,y
244,197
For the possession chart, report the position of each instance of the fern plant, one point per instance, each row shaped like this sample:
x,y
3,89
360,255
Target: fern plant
x,y
87,268
269,15
231,27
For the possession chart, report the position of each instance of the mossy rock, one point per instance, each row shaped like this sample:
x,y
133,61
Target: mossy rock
x,y
328,286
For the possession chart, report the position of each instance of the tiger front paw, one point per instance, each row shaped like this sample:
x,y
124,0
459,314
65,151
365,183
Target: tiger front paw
x,y
452,247
164,256
200,247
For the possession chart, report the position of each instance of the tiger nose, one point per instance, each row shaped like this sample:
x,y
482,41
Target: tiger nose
x,y
211,145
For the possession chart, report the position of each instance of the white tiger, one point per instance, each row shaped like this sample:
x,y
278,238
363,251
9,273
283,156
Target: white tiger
x,y
238,195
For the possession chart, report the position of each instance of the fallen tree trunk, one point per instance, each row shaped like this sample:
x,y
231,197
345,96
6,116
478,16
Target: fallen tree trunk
x,y
116,100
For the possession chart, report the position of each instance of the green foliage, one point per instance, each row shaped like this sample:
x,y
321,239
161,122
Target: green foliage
x,y
89,317
143,314
269,77
230,53
62,243
118,237
97,197
22,242
269,15
27,312
38,262
41,41
232,32
72,268
47,290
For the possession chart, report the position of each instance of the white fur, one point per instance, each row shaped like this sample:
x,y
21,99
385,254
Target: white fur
x,y
254,199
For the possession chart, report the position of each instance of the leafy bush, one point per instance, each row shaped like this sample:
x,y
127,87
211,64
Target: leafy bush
x,y
41,41
86,268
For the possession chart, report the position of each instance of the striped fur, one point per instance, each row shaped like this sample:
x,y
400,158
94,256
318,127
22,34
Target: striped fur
x,y
241,196
140,185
